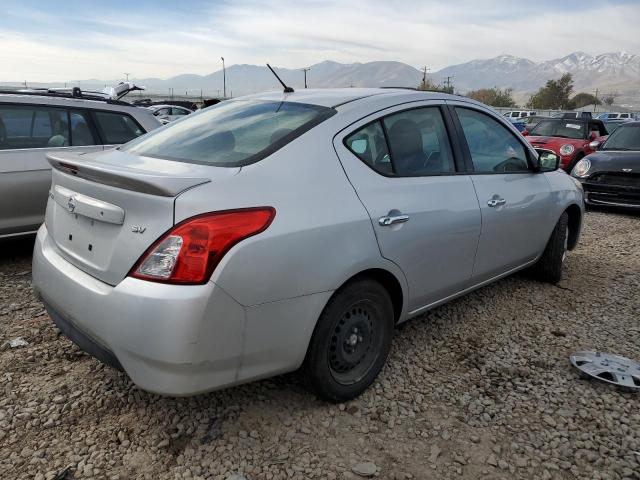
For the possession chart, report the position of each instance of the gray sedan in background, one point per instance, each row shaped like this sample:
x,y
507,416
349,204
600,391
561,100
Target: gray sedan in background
x,y
284,231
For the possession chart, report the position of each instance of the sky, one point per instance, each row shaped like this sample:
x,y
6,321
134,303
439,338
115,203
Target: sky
x,y
66,40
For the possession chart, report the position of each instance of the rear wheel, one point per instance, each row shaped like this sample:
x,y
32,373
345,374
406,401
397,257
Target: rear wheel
x,y
549,266
351,341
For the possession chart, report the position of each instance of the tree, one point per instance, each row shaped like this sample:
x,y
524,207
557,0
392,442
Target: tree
x,y
427,85
554,95
609,99
494,97
584,99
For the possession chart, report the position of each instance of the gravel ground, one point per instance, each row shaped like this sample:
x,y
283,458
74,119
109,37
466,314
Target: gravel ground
x,y
479,388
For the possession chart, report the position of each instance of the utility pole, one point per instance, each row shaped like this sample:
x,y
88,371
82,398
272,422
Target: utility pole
x,y
224,79
447,82
127,75
424,76
305,70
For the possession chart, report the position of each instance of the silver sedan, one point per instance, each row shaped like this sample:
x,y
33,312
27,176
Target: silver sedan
x,y
278,232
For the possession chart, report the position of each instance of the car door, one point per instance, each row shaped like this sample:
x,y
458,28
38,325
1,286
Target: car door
x,y
27,134
424,211
514,200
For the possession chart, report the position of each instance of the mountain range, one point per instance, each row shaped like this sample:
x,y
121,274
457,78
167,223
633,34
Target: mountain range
x,y
610,72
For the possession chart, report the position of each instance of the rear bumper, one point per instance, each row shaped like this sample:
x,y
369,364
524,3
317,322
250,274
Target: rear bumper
x,y
173,339
611,195
84,341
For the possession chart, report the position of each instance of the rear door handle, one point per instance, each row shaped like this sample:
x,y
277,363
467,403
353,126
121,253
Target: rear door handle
x,y
393,219
494,202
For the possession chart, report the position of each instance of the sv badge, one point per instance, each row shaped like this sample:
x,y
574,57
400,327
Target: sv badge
x,y
138,229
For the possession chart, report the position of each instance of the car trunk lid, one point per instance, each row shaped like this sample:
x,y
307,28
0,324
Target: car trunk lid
x,y
106,210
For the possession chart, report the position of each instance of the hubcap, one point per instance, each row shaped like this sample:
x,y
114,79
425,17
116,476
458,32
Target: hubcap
x,y
352,349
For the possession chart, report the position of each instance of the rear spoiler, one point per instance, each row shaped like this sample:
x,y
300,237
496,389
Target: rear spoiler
x,y
81,166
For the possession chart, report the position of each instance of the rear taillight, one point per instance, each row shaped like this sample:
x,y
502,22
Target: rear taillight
x,y
190,251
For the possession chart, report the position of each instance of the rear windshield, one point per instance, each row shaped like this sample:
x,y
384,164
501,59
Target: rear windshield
x,y
232,133
563,128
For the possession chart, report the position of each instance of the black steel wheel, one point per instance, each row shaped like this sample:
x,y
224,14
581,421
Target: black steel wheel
x,y
351,341
549,266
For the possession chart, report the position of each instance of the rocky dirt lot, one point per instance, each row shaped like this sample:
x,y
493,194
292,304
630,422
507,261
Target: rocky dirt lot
x,y
479,388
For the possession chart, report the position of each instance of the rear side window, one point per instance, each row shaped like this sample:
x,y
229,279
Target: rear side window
x,y
117,128
23,126
370,146
418,144
493,148
231,133
81,133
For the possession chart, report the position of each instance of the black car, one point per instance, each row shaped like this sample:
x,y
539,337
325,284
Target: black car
x,y
611,176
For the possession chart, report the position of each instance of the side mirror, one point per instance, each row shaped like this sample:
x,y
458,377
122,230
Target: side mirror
x,y
548,161
525,132
593,135
594,145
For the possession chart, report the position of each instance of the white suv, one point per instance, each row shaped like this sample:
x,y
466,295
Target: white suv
x,y
518,114
36,122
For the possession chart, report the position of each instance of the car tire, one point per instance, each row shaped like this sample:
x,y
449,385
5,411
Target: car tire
x,y
549,266
351,341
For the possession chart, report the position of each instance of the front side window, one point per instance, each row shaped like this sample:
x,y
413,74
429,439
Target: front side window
x,y
178,111
117,128
493,148
416,144
232,133
23,126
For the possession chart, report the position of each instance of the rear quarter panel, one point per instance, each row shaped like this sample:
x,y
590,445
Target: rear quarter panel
x,y
565,191
321,234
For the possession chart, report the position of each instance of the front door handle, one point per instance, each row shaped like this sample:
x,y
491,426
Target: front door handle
x,y
494,202
392,218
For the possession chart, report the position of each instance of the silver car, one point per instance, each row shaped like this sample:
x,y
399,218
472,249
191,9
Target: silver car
x,y
34,123
169,113
277,232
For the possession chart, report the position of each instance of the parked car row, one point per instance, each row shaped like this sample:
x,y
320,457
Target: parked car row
x,y
617,116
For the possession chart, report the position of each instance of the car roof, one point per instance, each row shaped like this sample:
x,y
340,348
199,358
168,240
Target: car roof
x,y
334,97
61,101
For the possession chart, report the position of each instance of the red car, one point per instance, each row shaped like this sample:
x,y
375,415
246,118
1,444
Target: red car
x,y
571,138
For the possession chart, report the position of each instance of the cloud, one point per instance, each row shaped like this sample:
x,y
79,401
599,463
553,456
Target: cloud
x,y
157,39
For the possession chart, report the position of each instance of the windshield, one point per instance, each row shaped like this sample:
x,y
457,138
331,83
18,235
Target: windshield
x,y
625,137
564,129
612,126
230,134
